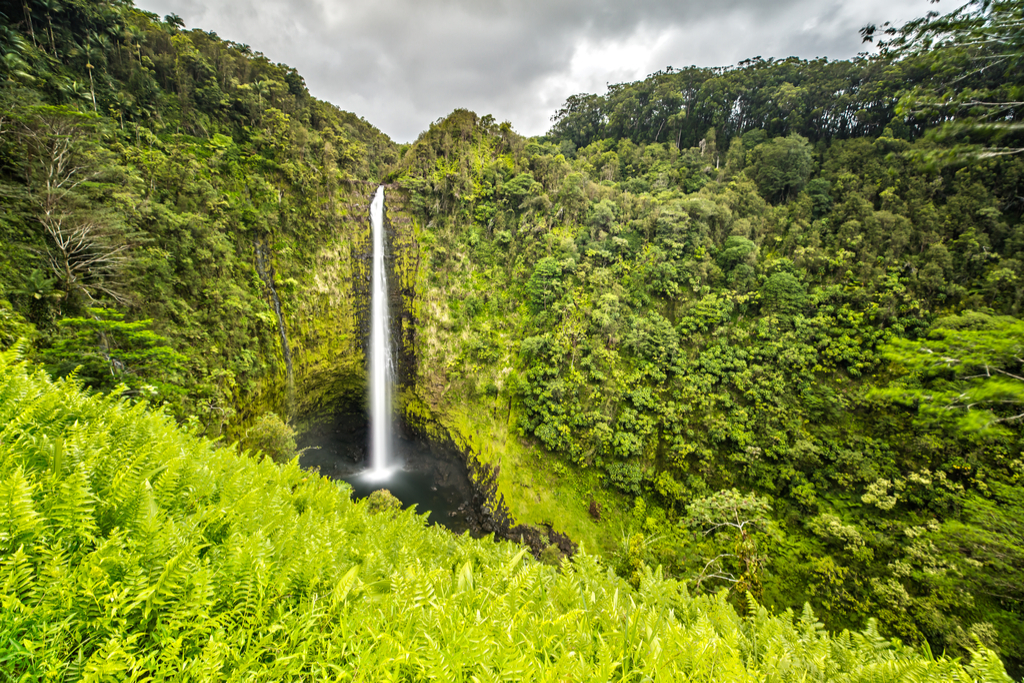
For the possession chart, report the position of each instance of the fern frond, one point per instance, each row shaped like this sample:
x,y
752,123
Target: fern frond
x,y
19,521
17,579
69,511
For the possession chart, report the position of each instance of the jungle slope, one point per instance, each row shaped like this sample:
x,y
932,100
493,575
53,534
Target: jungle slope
x,y
626,322
689,358
132,550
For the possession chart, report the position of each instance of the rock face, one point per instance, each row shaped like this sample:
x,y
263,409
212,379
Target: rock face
x,y
405,264
495,518
325,320
324,311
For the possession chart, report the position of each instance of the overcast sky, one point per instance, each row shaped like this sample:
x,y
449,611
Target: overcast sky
x,y
402,64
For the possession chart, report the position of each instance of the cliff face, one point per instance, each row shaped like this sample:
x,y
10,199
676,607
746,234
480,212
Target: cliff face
x,y
405,261
422,398
325,311
430,279
420,410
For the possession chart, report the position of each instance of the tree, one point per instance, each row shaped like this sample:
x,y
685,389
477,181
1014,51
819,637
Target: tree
x,y
579,120
136,37
517,190
50,6
781,167
602,215
84,252
968,369
273,437
28,22
106,351
734,522
736,250
545,284
990,533
783,293
93,52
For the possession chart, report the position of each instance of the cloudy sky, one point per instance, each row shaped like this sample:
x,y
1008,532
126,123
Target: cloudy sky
x,y
401,64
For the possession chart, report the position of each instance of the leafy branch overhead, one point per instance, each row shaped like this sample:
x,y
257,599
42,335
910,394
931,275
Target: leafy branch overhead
x,y
974,56
968,367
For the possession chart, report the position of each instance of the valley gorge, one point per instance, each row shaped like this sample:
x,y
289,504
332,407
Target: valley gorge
x,y
728,357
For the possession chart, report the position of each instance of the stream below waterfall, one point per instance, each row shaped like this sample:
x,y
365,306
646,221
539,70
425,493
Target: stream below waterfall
x,y
432,477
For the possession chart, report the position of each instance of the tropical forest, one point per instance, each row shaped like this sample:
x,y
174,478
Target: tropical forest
x,y
730,362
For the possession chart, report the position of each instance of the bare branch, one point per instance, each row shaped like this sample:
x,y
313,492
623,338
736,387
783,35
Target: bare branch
x,y
85,255
1010,374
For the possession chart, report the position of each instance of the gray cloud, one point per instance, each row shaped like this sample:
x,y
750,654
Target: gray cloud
x,y
404,63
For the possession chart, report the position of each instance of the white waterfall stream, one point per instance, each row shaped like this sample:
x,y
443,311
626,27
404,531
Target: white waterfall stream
x,y
381,365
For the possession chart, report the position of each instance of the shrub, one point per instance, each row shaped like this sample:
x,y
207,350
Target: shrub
x,y
273,437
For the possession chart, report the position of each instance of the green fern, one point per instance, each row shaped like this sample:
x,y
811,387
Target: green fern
x,y
17,580
19,521
70,510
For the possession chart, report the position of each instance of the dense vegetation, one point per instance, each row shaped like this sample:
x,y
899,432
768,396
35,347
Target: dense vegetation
x,y
780,325
175,210
132,551
752,333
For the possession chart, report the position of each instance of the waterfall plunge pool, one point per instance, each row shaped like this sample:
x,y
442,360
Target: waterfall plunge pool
x,y
432,477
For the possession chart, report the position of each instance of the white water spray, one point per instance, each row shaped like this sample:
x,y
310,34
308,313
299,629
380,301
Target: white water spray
x,y
380,346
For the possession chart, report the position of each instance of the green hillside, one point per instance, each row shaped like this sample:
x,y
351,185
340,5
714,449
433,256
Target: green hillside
x,y
130,550
807,332
181,216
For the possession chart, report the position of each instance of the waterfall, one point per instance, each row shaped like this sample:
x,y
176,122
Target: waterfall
x,y
380,345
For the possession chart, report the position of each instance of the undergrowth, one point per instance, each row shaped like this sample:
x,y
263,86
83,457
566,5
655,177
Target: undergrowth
x,y
130,550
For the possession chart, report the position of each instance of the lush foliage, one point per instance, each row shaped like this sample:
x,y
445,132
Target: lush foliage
x,y
708,306
968,366
817,99
132,551
974,55
670,320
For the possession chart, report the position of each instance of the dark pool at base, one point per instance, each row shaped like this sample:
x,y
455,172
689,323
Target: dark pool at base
x,y
430,476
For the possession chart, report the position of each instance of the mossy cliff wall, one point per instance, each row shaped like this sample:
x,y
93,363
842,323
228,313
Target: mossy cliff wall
x,y
429,404
322,283
323,291
420,412
447,395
